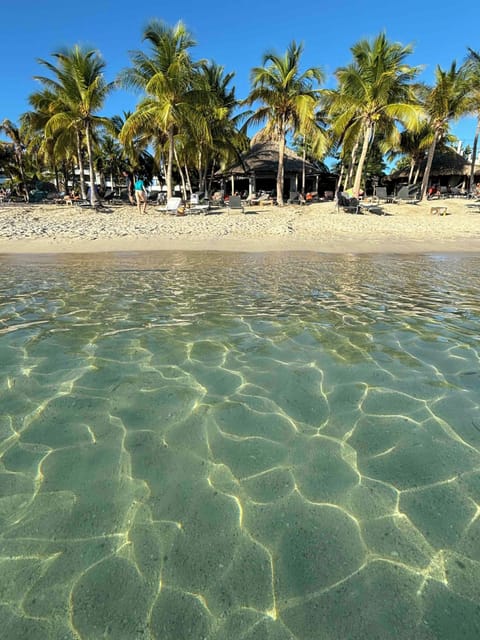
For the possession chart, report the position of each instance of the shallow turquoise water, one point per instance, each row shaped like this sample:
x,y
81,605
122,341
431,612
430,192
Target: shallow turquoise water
x,y
253,446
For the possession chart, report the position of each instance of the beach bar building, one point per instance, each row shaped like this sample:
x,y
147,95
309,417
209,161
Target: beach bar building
x,y
257,169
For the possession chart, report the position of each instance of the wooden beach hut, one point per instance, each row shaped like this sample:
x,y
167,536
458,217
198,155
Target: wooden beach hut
x,y
257,171
449,169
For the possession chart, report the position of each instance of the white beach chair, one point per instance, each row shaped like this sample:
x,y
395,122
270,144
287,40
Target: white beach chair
x,y
198,205
172,207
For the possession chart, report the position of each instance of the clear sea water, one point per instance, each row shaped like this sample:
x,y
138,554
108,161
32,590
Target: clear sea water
x,y
209,446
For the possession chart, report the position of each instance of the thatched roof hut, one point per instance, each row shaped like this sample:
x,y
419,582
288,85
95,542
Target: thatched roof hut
x,y
259,166
449,168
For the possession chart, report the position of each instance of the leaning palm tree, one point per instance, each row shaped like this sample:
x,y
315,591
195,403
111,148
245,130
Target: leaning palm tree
x,y
375,93
472,66
166,78
413,146
447,100
78,91
288,99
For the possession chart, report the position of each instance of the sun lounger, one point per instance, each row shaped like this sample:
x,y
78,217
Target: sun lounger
x,y
348,203
197,204
251,200
172,207
407,194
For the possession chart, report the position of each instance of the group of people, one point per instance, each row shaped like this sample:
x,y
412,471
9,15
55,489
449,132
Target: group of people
x,y
137,192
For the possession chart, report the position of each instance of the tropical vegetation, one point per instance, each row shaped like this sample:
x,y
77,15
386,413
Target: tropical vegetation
x,y
189,124
287,101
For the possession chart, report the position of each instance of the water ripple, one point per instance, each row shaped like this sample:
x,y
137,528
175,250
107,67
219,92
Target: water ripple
x,y
240,445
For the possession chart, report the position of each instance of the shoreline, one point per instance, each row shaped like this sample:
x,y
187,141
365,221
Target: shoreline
x,y
319,227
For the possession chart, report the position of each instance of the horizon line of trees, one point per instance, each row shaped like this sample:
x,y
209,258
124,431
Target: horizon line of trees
x,y
188,122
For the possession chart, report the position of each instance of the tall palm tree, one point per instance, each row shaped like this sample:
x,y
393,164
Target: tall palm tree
x,y
375,93
78,89
472,66
287,98
63,139
166,77
219,141
447,100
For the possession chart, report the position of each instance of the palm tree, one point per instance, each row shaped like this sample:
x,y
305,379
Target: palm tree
x,y
288,100
58,148
375,93
472,66
63,142
78,90
447,100
221,139
413,146
166,77
13,132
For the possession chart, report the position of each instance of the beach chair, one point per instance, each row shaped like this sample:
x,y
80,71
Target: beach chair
x,y
348,203
381,194
251,199
235,203
198,204
444,192
293,198
218,198
407,194
173,206
296,198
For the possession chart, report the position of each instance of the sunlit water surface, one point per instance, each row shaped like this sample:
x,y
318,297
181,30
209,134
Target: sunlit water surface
x,y
237,446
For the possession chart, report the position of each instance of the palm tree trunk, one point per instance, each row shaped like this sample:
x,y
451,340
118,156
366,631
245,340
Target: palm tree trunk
x,y
358,175
80,167
182,175
187,177
57,178
210,181
280,172
428,166
353,159
19,162
474,155
412,167
340,179
88,140
303,166
417,173
171,142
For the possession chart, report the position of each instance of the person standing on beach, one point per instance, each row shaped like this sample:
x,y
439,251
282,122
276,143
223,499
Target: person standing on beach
x,y
141,195
129,178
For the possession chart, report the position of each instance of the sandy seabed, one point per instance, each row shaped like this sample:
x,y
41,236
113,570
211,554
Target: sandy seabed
x,y
320,227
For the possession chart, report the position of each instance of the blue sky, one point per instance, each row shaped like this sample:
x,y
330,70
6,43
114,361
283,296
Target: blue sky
x,y
235,35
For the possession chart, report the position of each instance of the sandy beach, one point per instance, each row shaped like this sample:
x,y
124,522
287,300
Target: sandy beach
x,y
320,227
